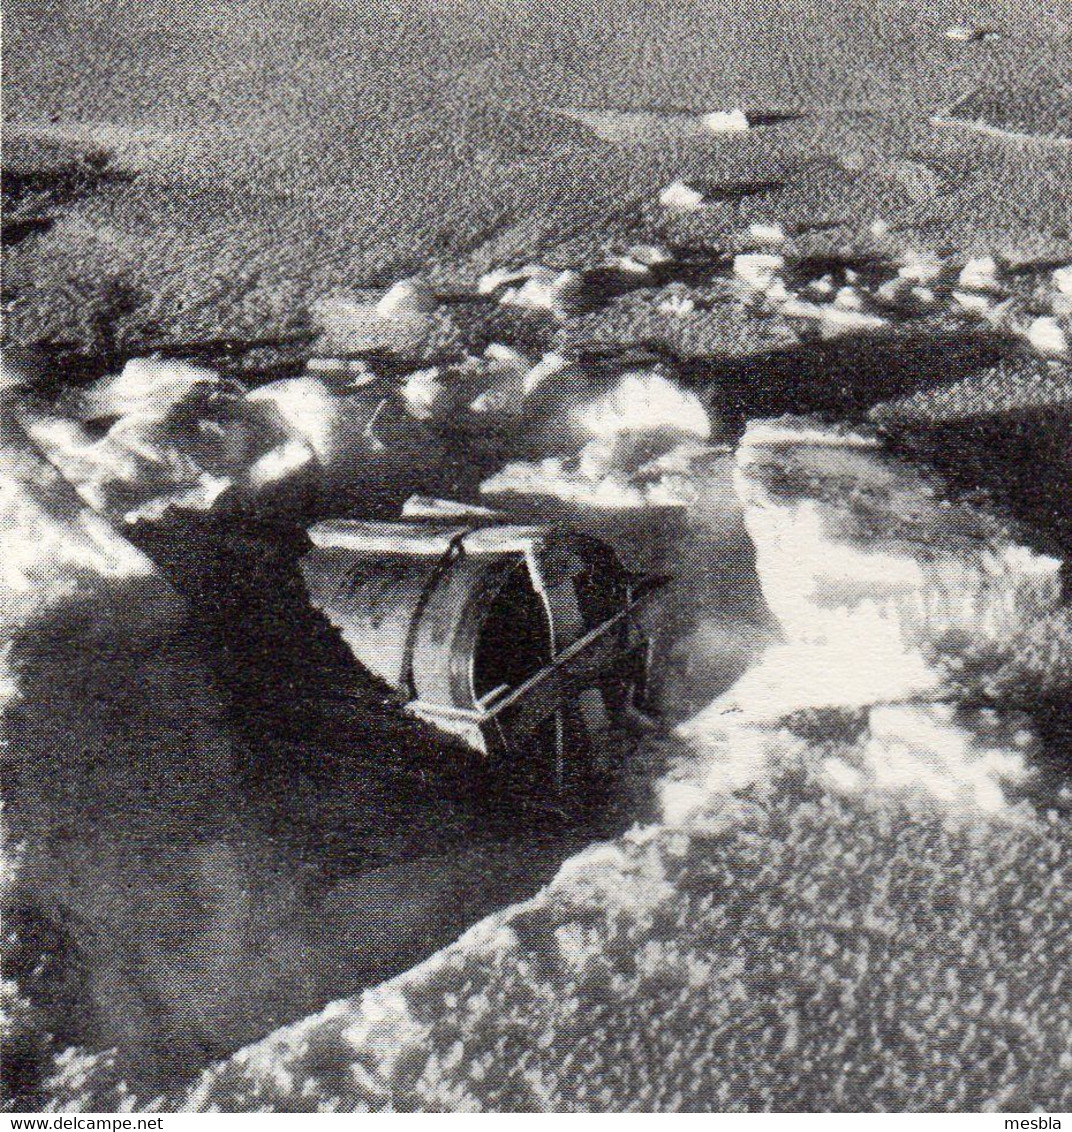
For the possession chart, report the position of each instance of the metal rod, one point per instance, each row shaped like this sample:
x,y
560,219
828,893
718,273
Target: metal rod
x,y
569,654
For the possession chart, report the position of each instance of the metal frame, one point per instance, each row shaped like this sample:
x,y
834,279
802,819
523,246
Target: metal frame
x,y
582,679
584,663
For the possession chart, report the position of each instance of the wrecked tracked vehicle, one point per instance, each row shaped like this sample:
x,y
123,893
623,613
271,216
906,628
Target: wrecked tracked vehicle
x,y
495,634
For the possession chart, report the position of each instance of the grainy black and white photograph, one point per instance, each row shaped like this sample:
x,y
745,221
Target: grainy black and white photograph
x,y
535,547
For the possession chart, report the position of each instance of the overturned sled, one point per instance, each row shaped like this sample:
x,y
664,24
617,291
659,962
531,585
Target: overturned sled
x,y
493,633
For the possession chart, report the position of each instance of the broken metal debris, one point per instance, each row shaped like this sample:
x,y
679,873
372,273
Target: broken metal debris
x,y
495,634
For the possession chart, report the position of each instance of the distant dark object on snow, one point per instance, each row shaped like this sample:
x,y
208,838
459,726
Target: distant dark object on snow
x,y
967,33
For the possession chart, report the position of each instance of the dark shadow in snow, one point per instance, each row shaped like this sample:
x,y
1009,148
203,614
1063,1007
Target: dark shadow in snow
x,y
872,269
1021,463
59,184
1022,460
764,118
13,232
217,350
218,873
1052,718
1040,269
737,190
692,264
823,225
34,194
841,376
